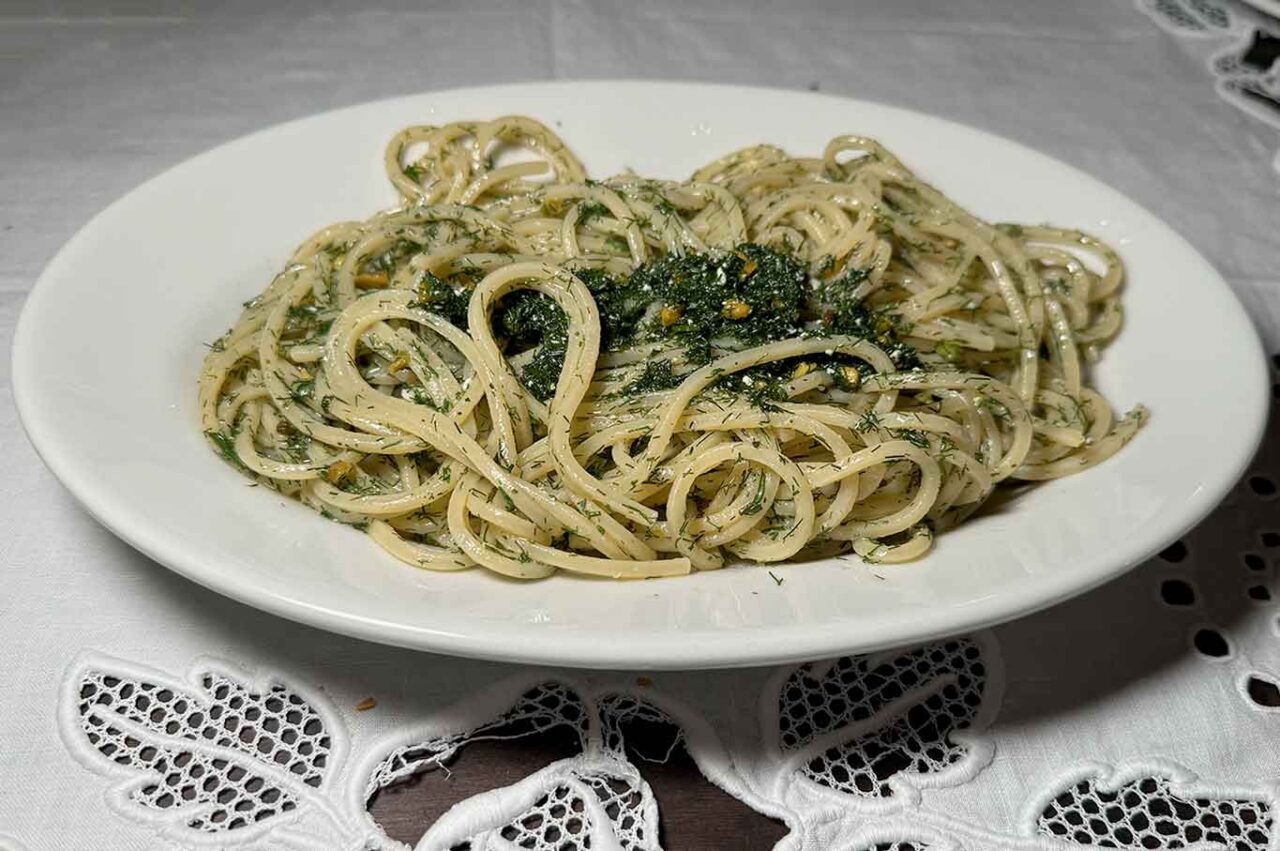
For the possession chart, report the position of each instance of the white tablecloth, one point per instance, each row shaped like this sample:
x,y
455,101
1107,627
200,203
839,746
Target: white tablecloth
x,y
116,674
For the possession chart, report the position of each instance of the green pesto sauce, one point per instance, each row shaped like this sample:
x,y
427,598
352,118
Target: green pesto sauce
x,y
450,300
699,287
657,375
772,285
532,320
732,300
835,303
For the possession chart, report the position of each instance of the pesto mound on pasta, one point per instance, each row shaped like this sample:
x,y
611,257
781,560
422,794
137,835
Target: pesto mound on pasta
x,y
779,358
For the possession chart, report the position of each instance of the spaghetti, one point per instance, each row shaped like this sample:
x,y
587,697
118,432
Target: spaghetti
x,y
780,358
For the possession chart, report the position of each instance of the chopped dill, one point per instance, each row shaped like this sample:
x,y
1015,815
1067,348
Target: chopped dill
x,y
226,446
756,505
915,438
657,375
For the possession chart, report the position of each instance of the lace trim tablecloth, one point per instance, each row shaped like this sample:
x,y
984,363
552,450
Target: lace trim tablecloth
x,y
139,711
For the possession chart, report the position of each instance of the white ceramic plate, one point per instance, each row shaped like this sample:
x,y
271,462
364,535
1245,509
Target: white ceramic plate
x,y
109,344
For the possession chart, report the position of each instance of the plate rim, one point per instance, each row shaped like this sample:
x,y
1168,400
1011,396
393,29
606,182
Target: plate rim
x,y
816,640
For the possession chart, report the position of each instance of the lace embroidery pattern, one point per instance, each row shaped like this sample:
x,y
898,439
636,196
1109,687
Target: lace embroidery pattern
x,y
1146,811
948,679
1155,806
1247,70
594,799
232,758
221,757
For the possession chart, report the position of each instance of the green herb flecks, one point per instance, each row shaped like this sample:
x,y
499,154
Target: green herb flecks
x,y
836,302
388,261
751,295
620,302
418,395
226,446
656,376
870,421
760,385
306,323
701,304
590,211
362,525
916,438
449,299
530,320
297,446
756,505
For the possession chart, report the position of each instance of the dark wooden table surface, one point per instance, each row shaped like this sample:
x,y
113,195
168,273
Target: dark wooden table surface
x,y
696,815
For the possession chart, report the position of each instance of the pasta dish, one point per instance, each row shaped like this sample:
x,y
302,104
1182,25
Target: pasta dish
x,y
780,358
